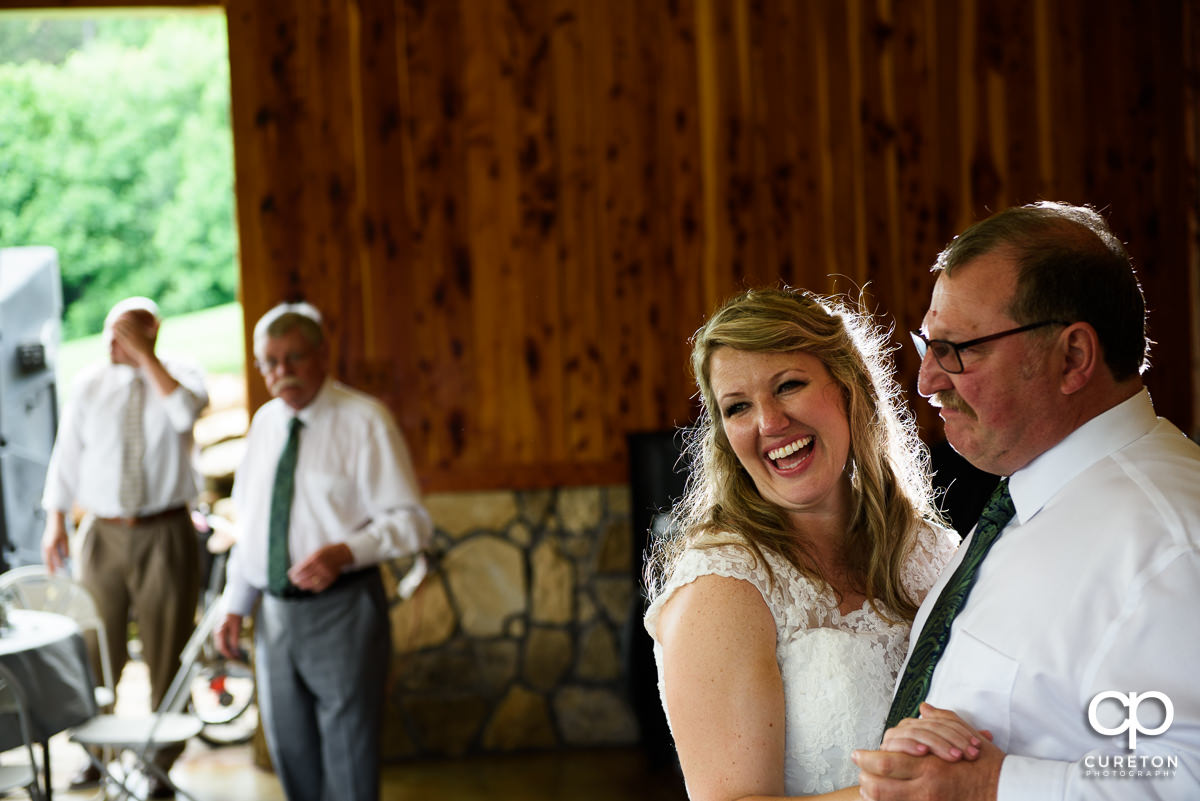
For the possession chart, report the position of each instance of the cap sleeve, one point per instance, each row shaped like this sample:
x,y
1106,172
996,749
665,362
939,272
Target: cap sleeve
x,y
934,548
730,561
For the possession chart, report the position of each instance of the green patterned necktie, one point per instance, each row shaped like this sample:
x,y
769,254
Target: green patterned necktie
x,y
281,511
914,684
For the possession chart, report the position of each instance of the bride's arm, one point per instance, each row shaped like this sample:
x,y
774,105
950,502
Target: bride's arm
x,y
723,690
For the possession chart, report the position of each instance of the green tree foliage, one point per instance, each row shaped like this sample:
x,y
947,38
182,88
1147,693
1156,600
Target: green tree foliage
x,y
121,158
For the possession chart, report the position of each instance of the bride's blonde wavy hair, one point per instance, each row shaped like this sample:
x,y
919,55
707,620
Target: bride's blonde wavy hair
x,y
892,498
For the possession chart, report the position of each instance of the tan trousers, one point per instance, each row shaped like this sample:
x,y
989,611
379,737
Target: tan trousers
x,y
148,572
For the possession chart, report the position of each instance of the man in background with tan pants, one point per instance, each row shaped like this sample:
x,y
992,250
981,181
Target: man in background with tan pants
x,y
124,454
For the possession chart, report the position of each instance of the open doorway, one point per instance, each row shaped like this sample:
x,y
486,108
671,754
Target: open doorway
x,y
116,152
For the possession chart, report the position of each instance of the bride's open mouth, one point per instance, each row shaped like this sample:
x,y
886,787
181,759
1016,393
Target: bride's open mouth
x,y
787,457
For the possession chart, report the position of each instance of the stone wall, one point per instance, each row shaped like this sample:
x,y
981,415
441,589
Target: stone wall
x,y
514,640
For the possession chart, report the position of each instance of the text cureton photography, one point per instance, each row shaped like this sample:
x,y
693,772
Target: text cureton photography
x,y
1132,765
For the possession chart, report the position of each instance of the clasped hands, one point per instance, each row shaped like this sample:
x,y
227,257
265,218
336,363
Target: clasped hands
x,y
935,756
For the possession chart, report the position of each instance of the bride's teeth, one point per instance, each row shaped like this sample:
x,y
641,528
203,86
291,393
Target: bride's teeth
x,y
788,450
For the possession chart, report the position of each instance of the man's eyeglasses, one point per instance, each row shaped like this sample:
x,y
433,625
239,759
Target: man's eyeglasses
x,y
949,354
269,365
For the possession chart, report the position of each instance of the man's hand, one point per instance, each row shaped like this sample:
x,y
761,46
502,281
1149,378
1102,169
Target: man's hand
x,y
227,637
897,775
55,546
135,338
321,568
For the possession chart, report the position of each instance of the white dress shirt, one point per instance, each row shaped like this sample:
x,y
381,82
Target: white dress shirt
x,y
354,484
1094,586
85,465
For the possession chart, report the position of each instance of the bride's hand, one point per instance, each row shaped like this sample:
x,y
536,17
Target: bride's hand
x,y
939,732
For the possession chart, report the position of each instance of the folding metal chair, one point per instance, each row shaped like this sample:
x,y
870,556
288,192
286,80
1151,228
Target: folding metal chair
x,y
32,587
12,704
142,736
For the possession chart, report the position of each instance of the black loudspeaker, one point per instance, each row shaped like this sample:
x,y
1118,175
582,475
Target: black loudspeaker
x,y
30,331
657,475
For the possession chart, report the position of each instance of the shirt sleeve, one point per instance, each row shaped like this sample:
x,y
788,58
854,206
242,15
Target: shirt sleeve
x,y
186,401
240,596
398,523
1153,645
62,474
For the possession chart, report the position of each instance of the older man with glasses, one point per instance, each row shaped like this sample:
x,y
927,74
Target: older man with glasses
x,y
1067,624
325,493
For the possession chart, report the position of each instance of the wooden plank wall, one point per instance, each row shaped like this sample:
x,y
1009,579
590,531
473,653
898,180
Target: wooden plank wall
x,y
515,212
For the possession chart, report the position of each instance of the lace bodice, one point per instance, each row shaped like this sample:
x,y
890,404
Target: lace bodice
x,y
838,670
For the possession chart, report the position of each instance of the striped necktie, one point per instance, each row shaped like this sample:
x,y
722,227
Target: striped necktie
x,y
914,684
131,494
281,511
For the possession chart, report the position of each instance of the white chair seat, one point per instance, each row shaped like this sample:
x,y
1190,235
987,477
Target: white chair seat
x,y
140,736
121,731
13,777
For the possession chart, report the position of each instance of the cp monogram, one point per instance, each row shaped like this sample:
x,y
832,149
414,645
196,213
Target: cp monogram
x,y
1131,701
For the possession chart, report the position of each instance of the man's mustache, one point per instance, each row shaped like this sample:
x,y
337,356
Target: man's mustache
x,y
287,382
949,399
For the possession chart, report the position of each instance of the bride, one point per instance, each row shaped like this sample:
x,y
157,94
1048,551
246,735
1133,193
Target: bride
x,y
782,599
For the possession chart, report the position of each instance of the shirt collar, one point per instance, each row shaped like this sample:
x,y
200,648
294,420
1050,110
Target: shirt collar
x,y
314,407
127,372
1035,484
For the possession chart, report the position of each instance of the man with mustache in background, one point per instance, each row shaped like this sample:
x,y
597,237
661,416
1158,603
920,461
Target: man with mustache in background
x,y
1067,625
326,491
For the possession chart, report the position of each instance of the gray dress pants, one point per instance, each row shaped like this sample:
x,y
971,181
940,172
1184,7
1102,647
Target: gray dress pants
x,y
322,664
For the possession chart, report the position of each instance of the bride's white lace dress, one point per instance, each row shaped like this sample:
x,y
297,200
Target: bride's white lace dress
x,y
838,670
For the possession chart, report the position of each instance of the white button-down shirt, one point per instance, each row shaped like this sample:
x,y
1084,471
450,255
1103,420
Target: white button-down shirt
x,y
85,465
354,484
1094,586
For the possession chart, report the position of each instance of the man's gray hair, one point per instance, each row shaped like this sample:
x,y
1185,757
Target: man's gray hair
x,y
285,318
136,303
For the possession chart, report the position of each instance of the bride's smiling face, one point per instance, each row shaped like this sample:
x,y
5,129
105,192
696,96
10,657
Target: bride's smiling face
x,y
786,421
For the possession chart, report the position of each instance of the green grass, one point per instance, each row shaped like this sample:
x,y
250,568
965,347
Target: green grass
x,y
212,337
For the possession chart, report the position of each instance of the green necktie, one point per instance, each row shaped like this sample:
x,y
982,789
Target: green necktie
x,y
914,684
281,511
